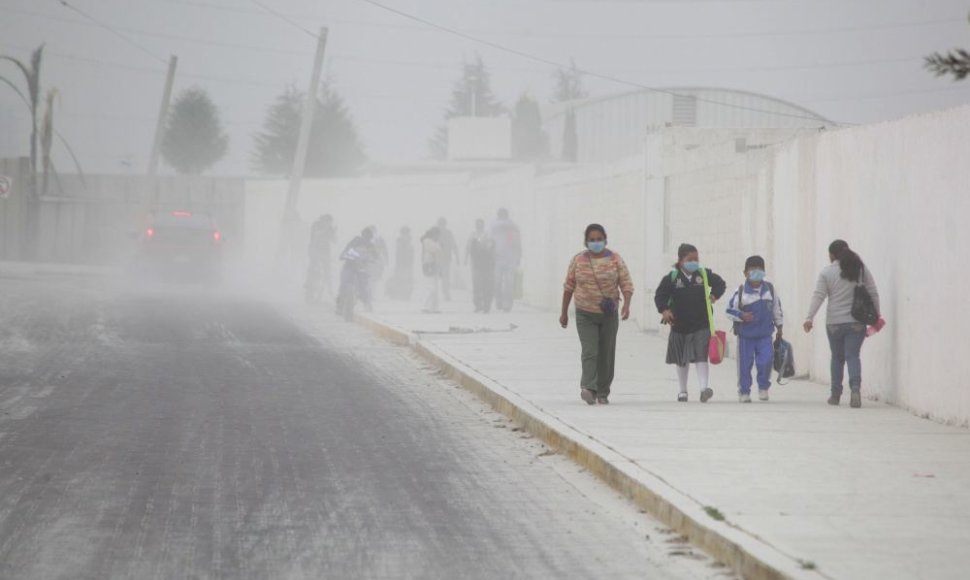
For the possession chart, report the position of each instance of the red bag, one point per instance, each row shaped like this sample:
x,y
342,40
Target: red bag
x,y
715,348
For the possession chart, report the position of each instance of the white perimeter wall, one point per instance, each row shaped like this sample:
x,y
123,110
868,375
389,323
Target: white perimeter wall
x,y
898,192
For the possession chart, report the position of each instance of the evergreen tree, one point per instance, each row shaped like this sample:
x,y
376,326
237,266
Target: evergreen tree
x,y
956,63
334,148
472,96
529,141
569,85
193,139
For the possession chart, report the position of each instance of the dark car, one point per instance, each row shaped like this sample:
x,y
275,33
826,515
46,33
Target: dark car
x,y
182,245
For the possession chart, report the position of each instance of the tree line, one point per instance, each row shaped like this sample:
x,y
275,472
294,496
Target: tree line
x,y
194,138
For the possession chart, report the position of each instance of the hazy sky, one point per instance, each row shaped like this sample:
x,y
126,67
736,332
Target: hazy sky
x,y
851,60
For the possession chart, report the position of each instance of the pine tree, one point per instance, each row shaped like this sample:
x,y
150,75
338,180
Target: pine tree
x,y
334,148
529,141
472,96
569,85
193,139
955,62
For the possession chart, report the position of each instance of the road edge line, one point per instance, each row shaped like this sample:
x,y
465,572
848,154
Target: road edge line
x,y
744,554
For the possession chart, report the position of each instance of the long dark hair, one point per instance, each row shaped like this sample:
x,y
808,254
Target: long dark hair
x,y
682,251
849,262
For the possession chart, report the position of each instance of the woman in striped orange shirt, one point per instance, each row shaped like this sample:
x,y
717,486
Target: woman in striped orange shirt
x,y
596,278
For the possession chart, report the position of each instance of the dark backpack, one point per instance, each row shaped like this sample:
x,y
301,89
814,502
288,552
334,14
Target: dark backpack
x,y
784,362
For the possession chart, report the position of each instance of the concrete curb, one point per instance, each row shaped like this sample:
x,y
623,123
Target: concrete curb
x,y
746,554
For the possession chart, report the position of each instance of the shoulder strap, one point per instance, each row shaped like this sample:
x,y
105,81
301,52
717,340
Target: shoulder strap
x,y
740,296
592,268
707,300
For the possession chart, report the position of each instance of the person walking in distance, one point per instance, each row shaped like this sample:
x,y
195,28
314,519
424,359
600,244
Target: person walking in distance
x,y
508,258
596,278
401,283
354,285
449,255
837,282
681,301
480,253
756,311
430,267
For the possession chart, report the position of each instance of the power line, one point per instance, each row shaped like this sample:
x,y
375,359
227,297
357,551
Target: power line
x,y
160,34
754,34
285,18
590,73
604,36
104,26
950,89
278,84
449,65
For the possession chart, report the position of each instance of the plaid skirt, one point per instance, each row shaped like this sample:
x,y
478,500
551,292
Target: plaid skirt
x,y
686,348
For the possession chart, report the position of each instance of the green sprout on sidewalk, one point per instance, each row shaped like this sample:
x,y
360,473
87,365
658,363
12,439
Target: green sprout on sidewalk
x,y
714,513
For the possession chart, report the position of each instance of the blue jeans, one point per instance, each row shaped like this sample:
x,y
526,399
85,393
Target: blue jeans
x,y
845,340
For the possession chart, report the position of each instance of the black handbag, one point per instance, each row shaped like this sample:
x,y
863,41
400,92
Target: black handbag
x,y
607,304
863,307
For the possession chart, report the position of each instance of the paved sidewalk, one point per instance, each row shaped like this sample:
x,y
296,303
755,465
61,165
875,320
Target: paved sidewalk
x,y
807,489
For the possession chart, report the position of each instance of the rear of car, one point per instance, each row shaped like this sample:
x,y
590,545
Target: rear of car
x,y
182,245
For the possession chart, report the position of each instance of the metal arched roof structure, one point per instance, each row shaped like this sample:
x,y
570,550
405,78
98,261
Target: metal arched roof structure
x,y
613,126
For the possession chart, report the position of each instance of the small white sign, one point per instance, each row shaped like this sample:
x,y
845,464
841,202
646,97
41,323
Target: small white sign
x,y
6,186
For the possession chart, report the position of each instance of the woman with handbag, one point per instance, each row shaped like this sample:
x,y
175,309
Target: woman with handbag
x,y
684,298
853,303
596,278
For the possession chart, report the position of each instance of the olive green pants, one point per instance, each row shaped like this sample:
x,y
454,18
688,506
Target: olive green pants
x,y
597,336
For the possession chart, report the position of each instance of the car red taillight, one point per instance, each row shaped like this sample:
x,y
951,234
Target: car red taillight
x,y
216,236
150,233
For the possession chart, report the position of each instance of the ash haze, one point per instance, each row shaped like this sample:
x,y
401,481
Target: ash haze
x,y
474,329
853,62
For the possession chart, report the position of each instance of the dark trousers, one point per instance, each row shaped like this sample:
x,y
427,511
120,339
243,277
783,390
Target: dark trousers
x,y
483,287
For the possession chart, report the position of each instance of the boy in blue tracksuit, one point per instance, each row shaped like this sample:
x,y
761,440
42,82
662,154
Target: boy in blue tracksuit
x,y
756,311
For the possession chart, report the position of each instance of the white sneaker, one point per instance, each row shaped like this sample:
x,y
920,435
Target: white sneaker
x,y
742,398
762,394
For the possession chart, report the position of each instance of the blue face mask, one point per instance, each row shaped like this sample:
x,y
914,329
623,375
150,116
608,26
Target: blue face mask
x,y
692,266
596,247
756,275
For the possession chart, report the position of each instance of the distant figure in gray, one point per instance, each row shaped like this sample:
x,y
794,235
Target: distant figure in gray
x,y
431,268
320,259
381,260
480,253
449,254
508,258
401,284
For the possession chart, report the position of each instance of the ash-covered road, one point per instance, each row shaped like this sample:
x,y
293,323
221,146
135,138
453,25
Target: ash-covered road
x,y
192,434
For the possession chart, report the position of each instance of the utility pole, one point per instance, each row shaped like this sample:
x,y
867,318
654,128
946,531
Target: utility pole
x,y
306,124
159,129
162,114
